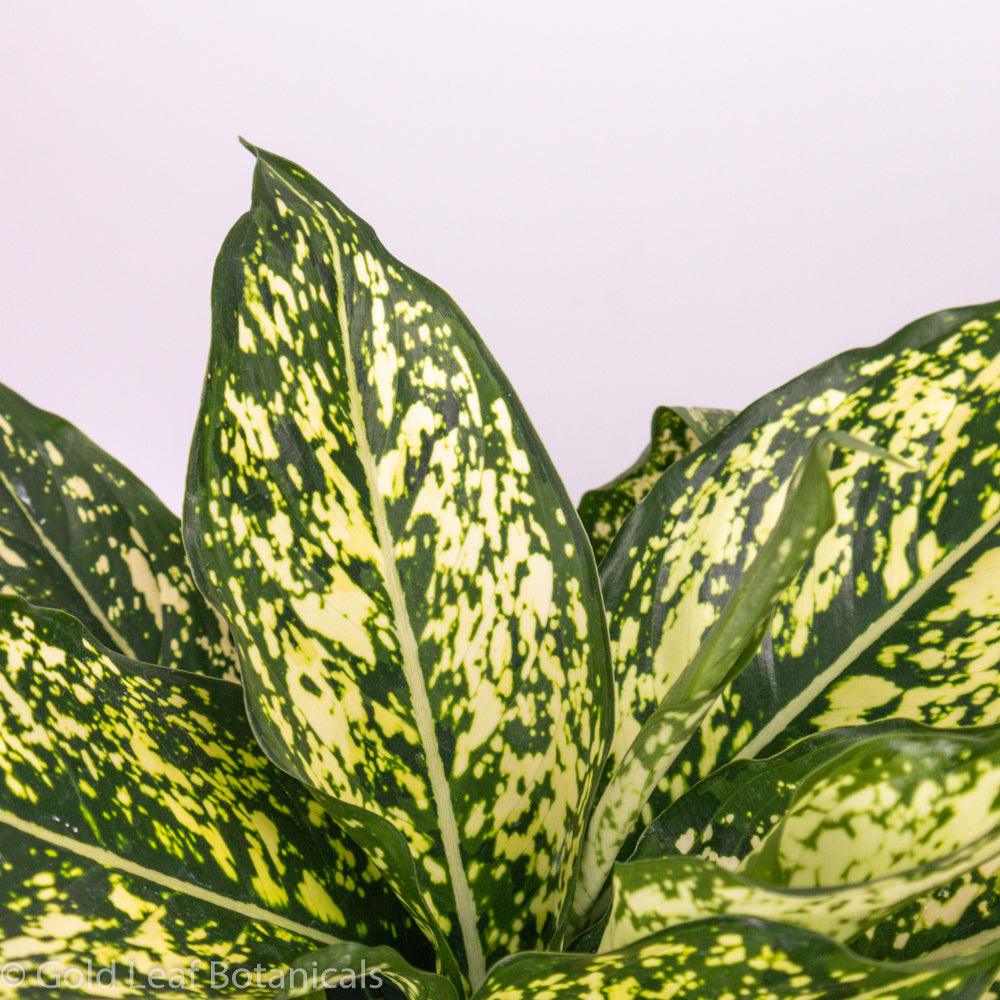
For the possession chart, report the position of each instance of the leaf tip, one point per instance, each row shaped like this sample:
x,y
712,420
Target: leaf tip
x,y
249,146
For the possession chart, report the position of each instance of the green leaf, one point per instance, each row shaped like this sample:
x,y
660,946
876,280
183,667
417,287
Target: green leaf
x,y
735,958
891,817
676,431
704,422
806,515
414,599
350,966
140,822
895,614
382,842
81,533
724,817
958,918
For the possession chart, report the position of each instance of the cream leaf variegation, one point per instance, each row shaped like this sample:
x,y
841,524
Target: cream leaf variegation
x,y
412,594
886,818
895,614
805,517
676,431
81,533
740,958
141,825
763,763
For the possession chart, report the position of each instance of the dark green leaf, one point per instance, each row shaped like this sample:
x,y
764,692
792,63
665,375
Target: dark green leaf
x,y
414,600
735,959
724,816
891,817
348,969
652,747
81,533
676,431
140,823
897,612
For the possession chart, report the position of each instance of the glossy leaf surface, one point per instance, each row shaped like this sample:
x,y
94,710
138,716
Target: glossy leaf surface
x,y
676,431
141,824
807,514
735,959
81,533
348,969
726,815
412,593
896,613
889,818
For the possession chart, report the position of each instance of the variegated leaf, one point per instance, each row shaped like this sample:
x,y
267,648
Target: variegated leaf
x,y
721,818
81,533
704,421
725,816
140,824
413,596
735,959
896,615
958,918
676,431
807,514
891,817
344,969
389,851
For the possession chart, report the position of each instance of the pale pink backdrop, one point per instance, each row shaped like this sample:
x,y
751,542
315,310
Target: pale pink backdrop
x,y
636,203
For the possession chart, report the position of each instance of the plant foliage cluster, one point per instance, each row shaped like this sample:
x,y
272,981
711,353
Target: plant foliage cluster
x,y
375,706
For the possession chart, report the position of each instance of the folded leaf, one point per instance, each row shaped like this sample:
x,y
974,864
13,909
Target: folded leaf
x,y
348,967
705,422
807,514
955,919
676,432
141,824
411,591
891,817
81,533
735,958
724,817
895,615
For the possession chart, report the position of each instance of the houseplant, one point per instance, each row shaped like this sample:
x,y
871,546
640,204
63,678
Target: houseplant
x,y
381,718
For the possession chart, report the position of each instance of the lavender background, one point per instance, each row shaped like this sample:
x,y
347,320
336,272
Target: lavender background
x,y
636,203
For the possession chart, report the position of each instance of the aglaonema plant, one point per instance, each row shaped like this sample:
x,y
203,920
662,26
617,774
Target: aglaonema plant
x,y
380,720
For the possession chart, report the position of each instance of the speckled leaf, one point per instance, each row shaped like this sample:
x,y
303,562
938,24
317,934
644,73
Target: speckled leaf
x,y
345,968
704,421
81,533
723,817
896,613
676,431
413,596
140,823
807,514
735,959
890,818
958,918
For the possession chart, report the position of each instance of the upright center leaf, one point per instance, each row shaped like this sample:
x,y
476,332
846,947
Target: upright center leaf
x,y
413,597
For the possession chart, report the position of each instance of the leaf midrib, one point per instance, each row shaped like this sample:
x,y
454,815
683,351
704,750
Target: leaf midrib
x,y
60,560
108,859
465,906
780,720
